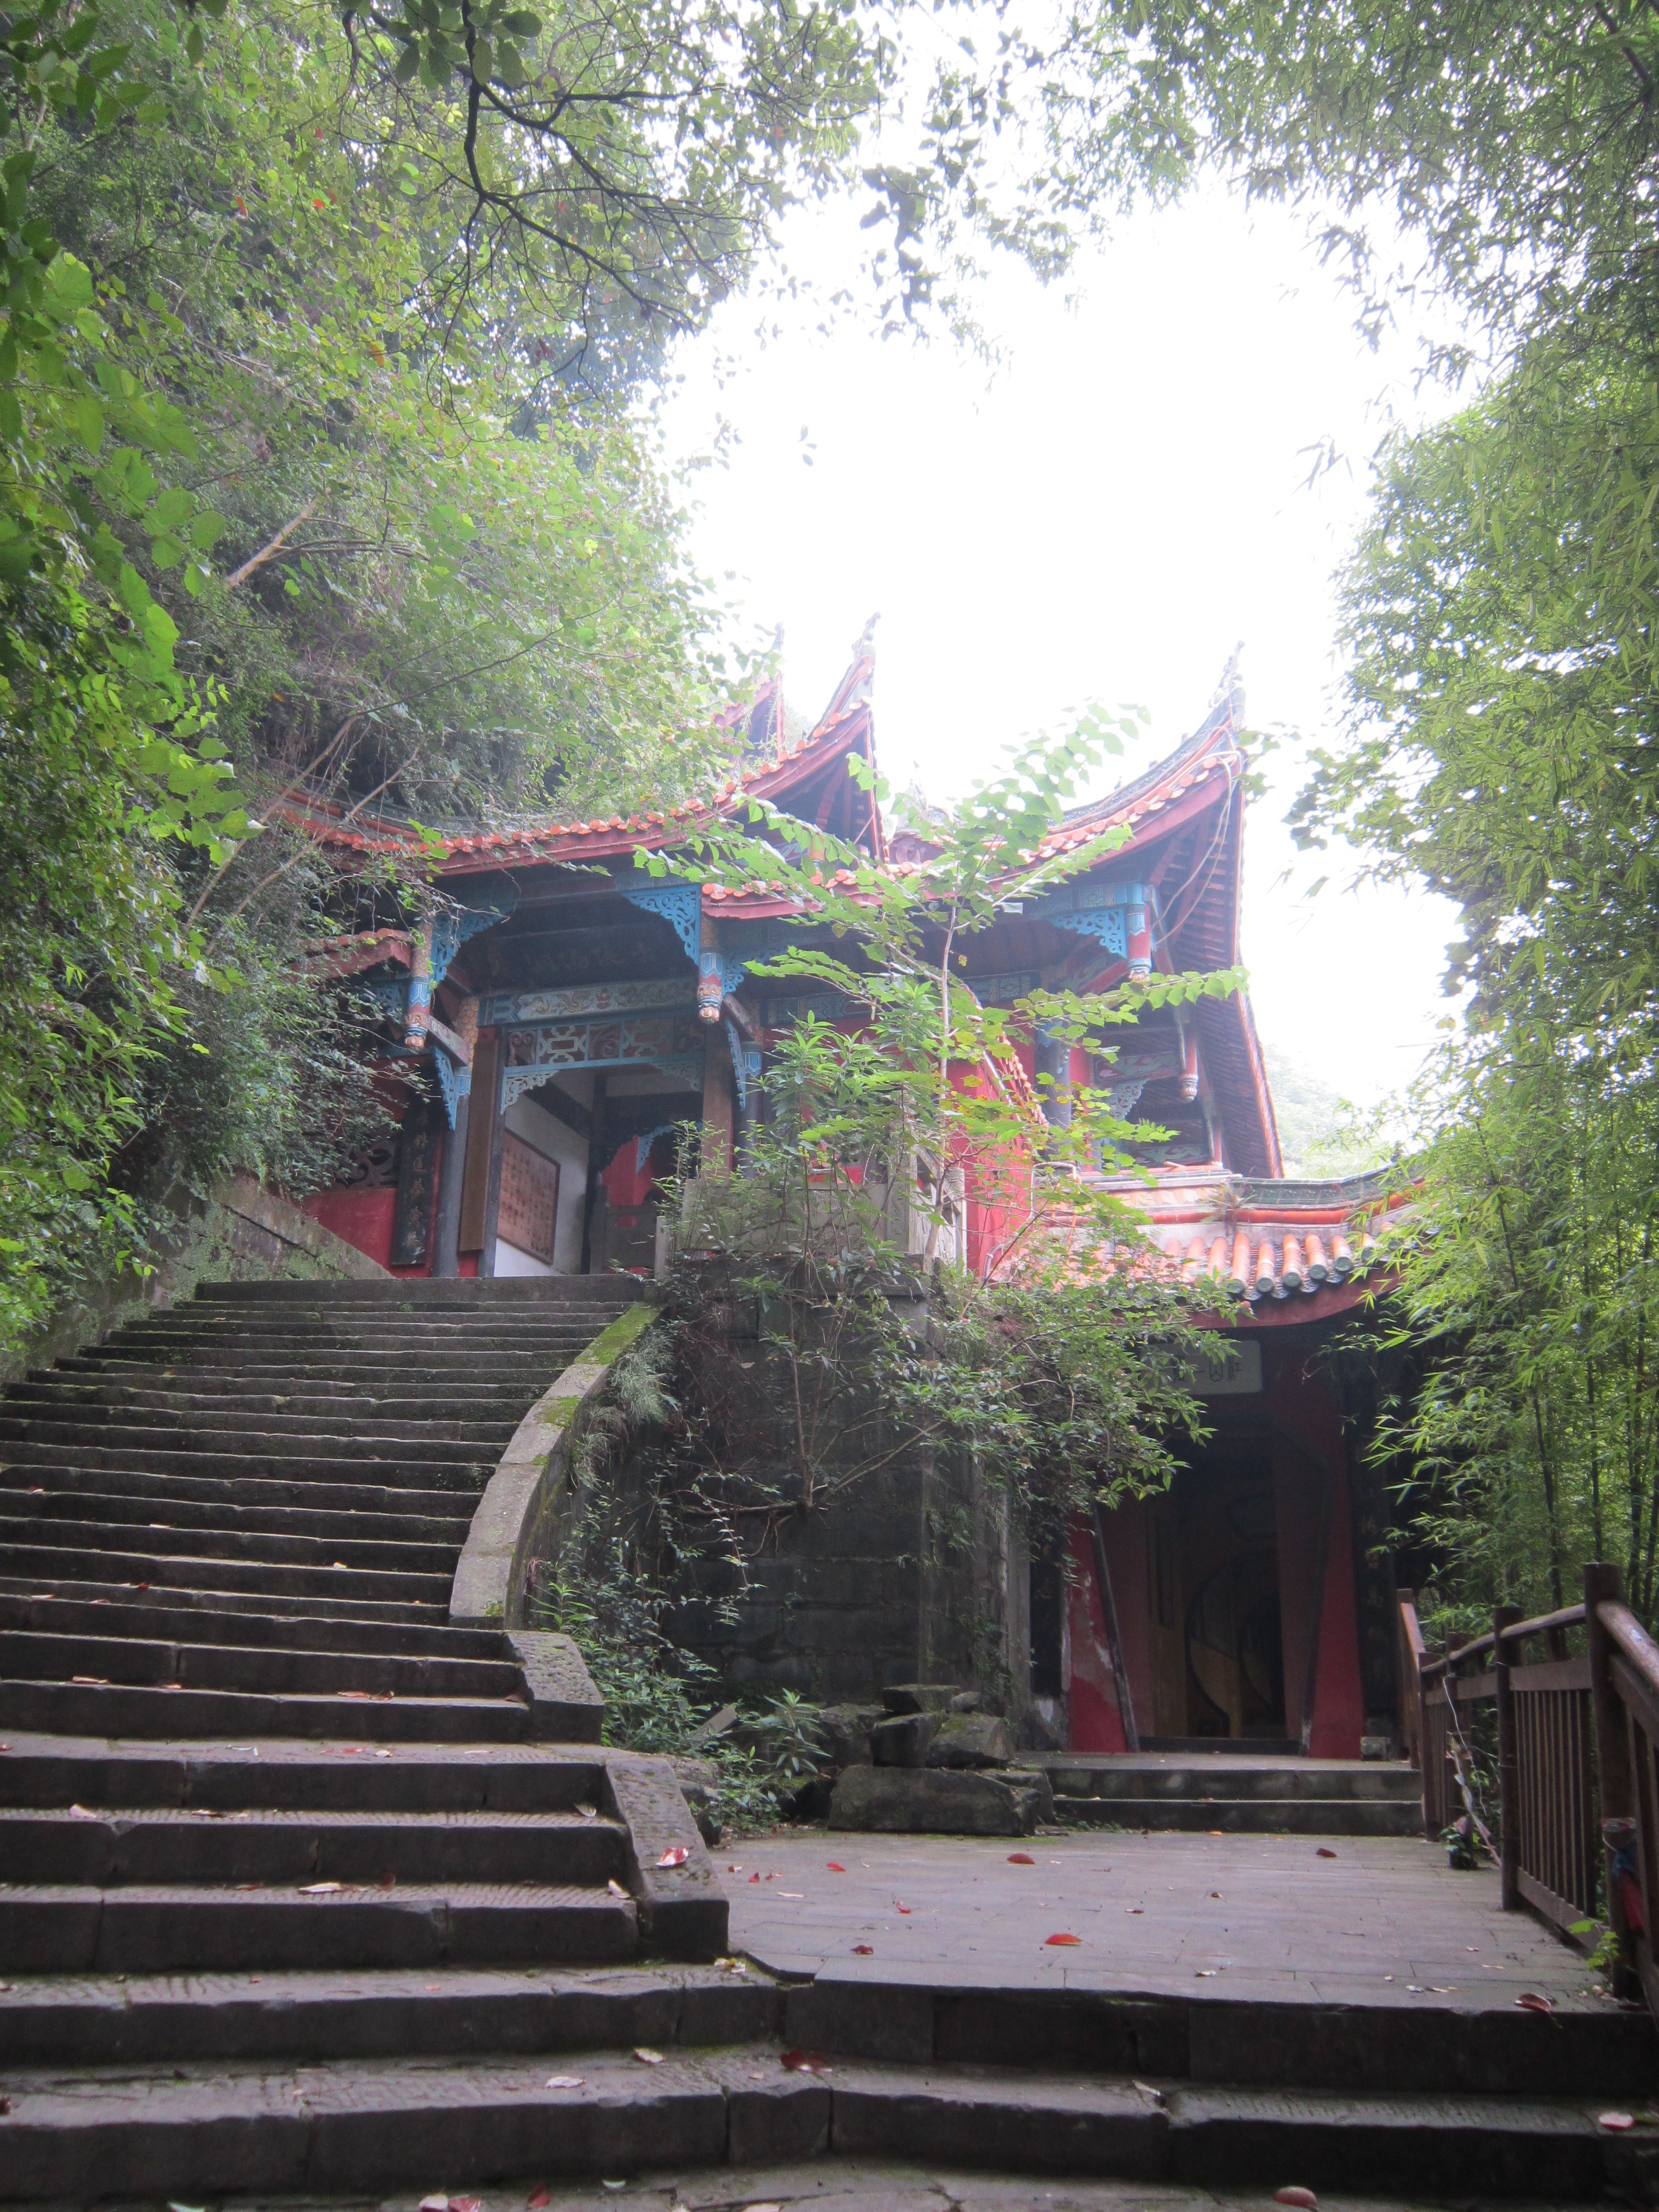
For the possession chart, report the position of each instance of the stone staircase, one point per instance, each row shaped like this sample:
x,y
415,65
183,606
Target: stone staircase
x,y
305,1893
1235,1793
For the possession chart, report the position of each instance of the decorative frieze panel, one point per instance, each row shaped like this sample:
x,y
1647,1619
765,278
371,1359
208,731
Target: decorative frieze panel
x,y
670,1040
575,998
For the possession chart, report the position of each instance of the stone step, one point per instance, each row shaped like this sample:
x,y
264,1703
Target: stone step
x,y
377,1555
38,1657
290,1774
94,2022
233,1488
74,1588
424,1520
211,1391
1246,1816
72,1419
1128,1774
164,1713
181,1346
466,1294
157,1613
130,1447
137,1846
155,1928
31,1565
457,1374
370,2125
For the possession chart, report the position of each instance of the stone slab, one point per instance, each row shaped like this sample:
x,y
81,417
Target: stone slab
x,y
923,1801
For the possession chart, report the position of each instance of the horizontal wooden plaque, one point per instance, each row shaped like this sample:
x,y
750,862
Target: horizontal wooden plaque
x,y
529,1211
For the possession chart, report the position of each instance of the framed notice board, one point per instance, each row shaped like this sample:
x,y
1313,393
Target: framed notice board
x,y
530,1198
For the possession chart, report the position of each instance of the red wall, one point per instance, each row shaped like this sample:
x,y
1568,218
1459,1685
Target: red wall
x,y
1094,1721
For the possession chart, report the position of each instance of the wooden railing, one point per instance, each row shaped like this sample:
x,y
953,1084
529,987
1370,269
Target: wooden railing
x,y
1574,1733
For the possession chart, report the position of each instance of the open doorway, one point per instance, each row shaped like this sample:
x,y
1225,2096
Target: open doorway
x,y
1218,1638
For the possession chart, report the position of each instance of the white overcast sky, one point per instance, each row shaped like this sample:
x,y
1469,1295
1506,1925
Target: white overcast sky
x,y
1104,517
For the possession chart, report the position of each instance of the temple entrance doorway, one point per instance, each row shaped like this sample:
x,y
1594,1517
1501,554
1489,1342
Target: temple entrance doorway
x,y
1217,1632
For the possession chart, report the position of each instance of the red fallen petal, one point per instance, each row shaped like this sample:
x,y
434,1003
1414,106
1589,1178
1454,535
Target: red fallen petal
x,y
1305,2197
834,1867
1325,1852
1021,1859
1061,1938
864,1950
1617,2121
465,2204
754,1877
537,2198
1530,2001
804,2062
676,1855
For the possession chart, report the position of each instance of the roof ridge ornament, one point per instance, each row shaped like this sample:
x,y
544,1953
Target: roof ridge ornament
x,y
1229,692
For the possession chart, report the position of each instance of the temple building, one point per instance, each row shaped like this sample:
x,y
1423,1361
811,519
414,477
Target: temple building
x,y
562,1013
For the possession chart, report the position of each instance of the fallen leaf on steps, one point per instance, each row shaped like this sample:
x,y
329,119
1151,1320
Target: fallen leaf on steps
x,y
675,1856
320,1888
864,1950
615,1889
563,2081
1021,1859
835,1866
1305,2197
465,2204
83,1813
388,1880
1530,2001
588,1812
806,2062
646,2056
537,2198
1325,1852
1616,2121
1061,1938
91,1681
897,1907
434,2203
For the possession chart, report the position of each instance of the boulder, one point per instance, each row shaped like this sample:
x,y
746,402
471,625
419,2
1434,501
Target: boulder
x,y
1035,1793
902,1741
925,1801
971,1740
844,1732
919,1697
966,1701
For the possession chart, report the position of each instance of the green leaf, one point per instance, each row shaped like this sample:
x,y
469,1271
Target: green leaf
x,y
87,417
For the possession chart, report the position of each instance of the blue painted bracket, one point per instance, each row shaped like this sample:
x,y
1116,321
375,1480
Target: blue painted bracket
x,y
643,1145
745,1063
451,928
389,992
680,905
455,1083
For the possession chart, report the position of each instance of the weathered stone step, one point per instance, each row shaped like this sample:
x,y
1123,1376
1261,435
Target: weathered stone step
x,y
1128,1774
209,1391
163,1613
33,1565
456,1374
424,1520
331,1457
184,1346
123,1709
149,1928
347,1606
228,1326
38,1657
289,1774
375,1555
1246,1816
127,1418
117,1443
468,1295
174,1848
372,2125
94,2022
233,1488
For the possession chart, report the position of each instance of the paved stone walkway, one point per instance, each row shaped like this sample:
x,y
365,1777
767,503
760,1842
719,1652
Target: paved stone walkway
x,y
855,2185
1268,1916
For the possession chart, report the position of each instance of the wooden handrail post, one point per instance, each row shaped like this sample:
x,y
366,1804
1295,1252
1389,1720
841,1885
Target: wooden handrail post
x,y
1508,1764
1617,1782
